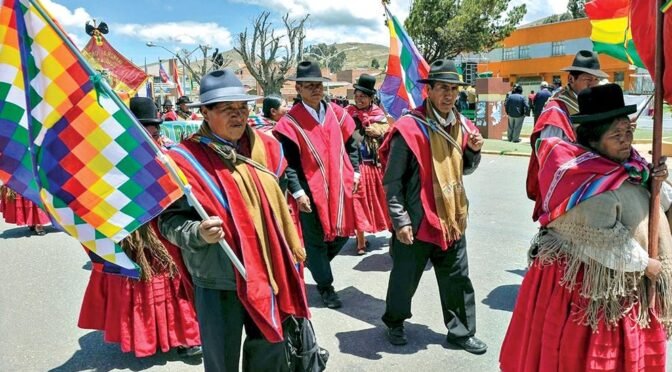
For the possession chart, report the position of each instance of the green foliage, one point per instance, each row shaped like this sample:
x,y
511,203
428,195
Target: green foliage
x,y
558,18
375,64
577,8
446,28
326,55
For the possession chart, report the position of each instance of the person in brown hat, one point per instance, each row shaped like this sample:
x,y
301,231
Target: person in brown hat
x,y
370,128
425,155
554,119
322,174
183,112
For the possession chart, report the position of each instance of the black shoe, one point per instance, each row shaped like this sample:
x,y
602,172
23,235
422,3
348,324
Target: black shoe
x,y
188,352
330,299
470,344
397,335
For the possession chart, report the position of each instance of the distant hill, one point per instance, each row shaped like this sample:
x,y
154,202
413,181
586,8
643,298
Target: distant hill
x,y
358,55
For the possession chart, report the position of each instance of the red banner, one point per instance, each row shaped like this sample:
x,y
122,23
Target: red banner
x,y
122,73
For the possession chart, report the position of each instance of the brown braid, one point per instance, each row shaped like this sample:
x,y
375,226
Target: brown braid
x,y
9,193
145,248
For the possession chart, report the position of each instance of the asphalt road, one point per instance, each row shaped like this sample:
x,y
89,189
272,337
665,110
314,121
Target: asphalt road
x,y
42,282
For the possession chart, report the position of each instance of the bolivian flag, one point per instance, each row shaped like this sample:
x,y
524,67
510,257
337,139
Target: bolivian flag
x,y
612,34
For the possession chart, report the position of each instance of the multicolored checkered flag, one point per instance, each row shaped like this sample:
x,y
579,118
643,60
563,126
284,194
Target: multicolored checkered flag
x,y
68,143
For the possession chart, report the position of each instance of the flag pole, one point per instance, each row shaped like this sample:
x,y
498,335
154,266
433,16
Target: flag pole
x,y
654,206
186,188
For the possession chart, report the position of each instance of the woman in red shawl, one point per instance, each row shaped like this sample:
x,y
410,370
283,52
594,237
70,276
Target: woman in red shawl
x,y
592,298
371,126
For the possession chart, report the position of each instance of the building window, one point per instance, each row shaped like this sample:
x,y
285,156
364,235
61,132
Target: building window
x,y
524,52
557,48
509,53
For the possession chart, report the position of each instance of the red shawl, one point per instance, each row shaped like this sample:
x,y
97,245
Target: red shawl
x,y
417,138
368,116
554,114
569,174
266,309
325,163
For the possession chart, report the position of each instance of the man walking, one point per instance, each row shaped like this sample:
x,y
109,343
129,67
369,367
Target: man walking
x,y
426,154
322,174
540,100
516,107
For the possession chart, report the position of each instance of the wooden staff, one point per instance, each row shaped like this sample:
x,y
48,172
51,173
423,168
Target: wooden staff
x,y
654,206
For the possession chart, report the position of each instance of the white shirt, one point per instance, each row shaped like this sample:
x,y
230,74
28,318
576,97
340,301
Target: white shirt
x,y
319,117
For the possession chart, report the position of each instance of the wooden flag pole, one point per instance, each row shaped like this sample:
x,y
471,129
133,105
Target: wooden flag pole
x,y
186,188
654,206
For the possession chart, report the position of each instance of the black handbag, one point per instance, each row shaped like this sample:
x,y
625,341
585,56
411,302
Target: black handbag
x,y
303,352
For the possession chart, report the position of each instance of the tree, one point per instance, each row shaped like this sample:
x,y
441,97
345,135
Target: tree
x,y
446,28
269,56
577,8
326,55
375,64
198,68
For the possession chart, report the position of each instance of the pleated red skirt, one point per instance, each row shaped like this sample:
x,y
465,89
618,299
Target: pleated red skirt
x,y
369,202
544,336
143,317
21,211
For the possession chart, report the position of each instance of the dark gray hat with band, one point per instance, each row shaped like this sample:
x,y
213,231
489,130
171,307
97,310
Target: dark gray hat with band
x,y
222,86
586,61
443,70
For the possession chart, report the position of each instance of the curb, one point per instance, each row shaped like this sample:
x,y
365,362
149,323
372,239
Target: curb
x,y
505,153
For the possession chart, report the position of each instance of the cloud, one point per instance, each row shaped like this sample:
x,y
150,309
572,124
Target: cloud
x,y
184,33
338,21
537,9
65,16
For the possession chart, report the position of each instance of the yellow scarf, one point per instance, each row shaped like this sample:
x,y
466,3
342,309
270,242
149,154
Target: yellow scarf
x,y
252,197
449,195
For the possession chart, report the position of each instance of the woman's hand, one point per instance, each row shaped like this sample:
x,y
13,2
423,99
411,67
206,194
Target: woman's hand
x,y
211,230
653,269
659,172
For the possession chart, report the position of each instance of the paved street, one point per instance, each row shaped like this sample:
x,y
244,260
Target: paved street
x,y
43,280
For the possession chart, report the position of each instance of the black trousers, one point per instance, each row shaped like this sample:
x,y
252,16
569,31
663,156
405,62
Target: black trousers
x,y
452,275
221,318
318,252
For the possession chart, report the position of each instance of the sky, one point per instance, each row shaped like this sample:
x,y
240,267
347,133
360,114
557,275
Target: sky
x,y
182,24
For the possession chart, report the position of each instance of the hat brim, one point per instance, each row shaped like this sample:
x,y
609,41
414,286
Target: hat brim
x,y
598,73
602,116
310,79
233,98
449,81
368,91
150,121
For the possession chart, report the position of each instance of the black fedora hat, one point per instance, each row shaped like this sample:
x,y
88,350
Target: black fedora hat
x,y
366,84
167,102
222,86
309,71
443,70
600,103
144,109
183,99
587,61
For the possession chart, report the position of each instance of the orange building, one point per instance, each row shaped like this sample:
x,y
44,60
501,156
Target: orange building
x,y
533,54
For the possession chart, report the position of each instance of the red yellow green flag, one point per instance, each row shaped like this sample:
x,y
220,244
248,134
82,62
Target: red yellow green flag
x,y
611,33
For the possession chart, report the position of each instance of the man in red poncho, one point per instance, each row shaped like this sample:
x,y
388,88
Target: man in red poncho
x,y
426,154
322,174
234,172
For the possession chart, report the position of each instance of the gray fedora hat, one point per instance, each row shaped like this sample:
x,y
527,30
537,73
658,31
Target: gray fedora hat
x,y
222,86
309,71
586,61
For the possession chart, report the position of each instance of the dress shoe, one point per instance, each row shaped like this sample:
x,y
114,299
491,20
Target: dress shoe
x,y
330,299
397,335
470,344
187,352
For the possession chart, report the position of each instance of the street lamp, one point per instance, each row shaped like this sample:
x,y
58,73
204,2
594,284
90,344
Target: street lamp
x,y
185,65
